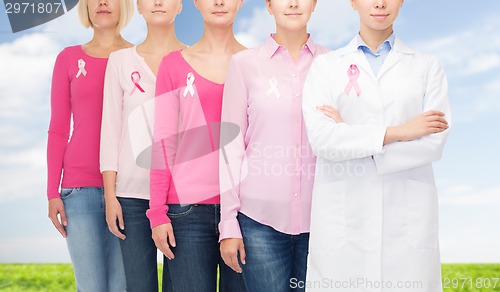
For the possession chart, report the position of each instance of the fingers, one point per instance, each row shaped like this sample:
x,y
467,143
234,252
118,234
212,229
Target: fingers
x,y
113,227
233,262
163,236
64,219
57,224
436,118
171,237
230,248
330,112
243,254
165,249
433,113
58,216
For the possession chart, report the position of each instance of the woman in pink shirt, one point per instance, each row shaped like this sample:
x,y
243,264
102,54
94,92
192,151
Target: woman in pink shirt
x,y
184,207
267,171
77,211
128,88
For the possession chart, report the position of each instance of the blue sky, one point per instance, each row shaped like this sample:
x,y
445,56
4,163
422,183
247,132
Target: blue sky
x,y
465,36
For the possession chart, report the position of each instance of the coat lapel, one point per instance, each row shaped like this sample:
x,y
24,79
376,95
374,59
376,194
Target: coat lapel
x,y
394,56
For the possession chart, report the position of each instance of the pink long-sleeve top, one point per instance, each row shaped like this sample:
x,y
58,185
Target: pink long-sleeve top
x,y
129,87
185,158
267,171
77,93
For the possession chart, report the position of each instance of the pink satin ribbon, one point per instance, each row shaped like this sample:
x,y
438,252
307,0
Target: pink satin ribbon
x,y
136,77
353,74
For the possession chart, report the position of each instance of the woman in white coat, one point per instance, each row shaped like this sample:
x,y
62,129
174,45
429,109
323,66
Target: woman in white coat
x,y
374,218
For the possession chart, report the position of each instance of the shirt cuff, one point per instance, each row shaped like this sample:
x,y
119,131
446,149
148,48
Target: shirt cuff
x,y
158,216
229,229
54,195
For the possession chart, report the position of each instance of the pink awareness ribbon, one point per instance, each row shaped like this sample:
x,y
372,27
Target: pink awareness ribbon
x,y
136,77
353,74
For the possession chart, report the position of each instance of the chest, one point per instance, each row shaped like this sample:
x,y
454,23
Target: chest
x,y
397,94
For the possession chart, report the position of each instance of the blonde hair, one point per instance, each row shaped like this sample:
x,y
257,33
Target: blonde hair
x,y
126,12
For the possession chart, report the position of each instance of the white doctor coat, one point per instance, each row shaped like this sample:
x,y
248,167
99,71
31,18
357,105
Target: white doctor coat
x,y
374,219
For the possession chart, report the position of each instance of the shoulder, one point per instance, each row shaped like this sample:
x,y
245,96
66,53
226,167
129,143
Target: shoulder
x,y
320,50
122,53
420,58
70,52
250,57
172,59
120,57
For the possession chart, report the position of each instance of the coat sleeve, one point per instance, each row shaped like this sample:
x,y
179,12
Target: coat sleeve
x,y
329,139
406,155
232,156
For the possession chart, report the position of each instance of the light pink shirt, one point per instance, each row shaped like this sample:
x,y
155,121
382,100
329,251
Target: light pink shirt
x,y
128,87
270,162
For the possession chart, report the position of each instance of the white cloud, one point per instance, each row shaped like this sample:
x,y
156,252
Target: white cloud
x,y
25,74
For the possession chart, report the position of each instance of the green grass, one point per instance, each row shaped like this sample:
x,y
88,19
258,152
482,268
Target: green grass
x,y
59,277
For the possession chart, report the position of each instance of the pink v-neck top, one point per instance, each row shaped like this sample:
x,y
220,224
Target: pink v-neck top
x,y
76,96
185,158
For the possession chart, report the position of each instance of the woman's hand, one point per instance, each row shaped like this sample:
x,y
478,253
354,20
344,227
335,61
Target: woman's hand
x,y
56,207
330,112
163,236
114,213
430,122
229,249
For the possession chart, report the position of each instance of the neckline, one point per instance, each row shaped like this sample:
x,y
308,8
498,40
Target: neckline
x,y
143,62
87,55
195,72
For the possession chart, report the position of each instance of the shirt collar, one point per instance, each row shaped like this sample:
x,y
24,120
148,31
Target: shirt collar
x,y
387,45
272,46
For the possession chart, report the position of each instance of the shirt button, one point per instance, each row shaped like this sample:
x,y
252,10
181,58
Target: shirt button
x,y
294,75
297,95
295,195
296,145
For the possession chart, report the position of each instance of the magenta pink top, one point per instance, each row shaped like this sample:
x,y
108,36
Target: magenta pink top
x,y
77,93
185,158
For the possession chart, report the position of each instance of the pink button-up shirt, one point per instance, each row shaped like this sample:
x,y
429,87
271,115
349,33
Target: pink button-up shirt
x,y
266,168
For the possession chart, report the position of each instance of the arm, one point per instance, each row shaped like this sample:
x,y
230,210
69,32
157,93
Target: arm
x,y
166,116
58,135
429,148
111,127
234,113
329,139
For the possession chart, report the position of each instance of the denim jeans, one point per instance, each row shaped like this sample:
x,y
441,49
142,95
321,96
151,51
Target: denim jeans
x,y
138,249
94,250
275,261
197,253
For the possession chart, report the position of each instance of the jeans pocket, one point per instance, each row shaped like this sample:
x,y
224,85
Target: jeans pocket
x,y
177,210
67,192
422,215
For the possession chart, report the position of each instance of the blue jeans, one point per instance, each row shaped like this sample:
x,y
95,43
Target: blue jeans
x,y
197,253
275,261
138,249
94,250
